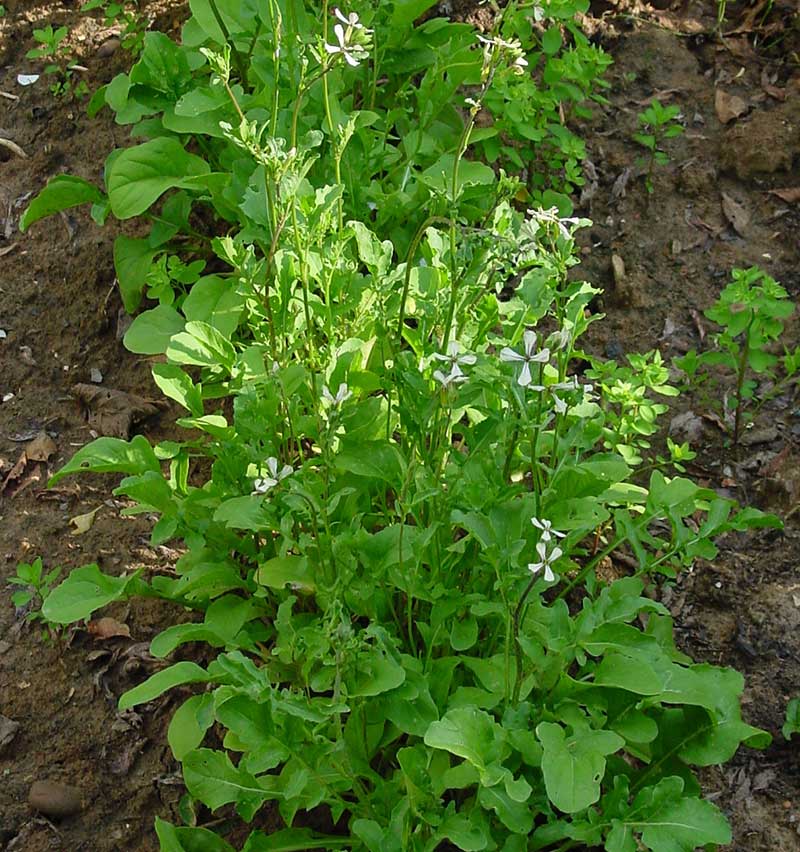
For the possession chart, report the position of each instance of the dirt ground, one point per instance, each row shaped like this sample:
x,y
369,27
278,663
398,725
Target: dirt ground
x,y
719,203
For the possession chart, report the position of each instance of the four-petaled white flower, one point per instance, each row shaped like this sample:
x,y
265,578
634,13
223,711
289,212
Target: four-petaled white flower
x,y
350,48
342,395
546,561
454,377
547,529
350,20
262,485
531,356
454,355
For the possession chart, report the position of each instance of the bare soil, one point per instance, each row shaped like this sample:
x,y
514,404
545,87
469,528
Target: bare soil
x,y
61,314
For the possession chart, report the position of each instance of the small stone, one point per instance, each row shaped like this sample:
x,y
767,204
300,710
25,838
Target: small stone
x,y
55,800
108,48
96,376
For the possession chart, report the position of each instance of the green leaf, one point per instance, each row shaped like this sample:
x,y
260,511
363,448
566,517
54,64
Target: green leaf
x,y
151,332
132,260
85,590
792,724
282,571
140,175
469,733
215,781
214,300
177,385
574,767
515,816
464,633
61,193
184,839
551,40
293,840
189,724
111,455
174,675
668,821
201,344
375,672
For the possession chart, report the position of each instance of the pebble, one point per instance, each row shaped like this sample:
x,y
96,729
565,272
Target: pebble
x,y
108,48
55,800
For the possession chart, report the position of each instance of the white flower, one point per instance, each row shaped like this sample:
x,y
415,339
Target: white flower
x,y
546,561
547,529
513,49
530,357
350,20
454,356
343,394
551,217
261,486
454,377
353,53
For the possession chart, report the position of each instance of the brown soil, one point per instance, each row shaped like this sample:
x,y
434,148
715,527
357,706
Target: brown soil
x,y
60,310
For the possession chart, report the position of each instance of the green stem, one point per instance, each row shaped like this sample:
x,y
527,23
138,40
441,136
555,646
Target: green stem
x,y
745,354
238,61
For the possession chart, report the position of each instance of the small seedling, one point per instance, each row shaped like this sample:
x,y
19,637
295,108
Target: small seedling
x,y
657,123
34,585
60,66
126,16
751,311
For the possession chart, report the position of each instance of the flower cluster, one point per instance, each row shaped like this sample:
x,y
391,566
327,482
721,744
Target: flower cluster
x,y
455,359
352,39
511,50
546,549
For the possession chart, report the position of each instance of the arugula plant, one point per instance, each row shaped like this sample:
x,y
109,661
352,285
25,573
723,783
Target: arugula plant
x,y
751,310
33,585
392,547
398,496
60,64
658,123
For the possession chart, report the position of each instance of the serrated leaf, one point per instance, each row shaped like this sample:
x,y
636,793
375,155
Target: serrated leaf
x,y
215,781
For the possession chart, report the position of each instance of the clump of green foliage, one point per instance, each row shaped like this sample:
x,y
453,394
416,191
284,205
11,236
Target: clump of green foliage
x,y
60,64
658,123
751,310
397,485
128,17
34,584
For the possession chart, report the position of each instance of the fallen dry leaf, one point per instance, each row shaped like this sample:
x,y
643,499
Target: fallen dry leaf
x,y
736,214
114,412
23,474
41,447
108,628
728,107
791,195
83,523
